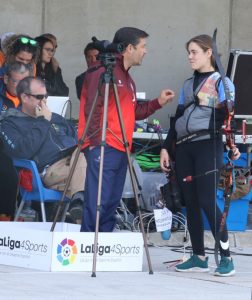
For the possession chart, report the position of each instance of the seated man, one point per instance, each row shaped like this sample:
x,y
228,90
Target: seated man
x,y
35,133
16,71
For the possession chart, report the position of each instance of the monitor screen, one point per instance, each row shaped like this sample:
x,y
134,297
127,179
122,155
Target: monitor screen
x,y
57,104
240,72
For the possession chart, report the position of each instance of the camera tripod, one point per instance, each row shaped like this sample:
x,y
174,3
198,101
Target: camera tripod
x,y
107,78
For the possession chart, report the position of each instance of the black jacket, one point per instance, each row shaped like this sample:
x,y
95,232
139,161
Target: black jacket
x,y
79,83
54,82
36,138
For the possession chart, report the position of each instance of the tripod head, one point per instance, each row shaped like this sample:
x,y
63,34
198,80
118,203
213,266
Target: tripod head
x,y
107,51
108,60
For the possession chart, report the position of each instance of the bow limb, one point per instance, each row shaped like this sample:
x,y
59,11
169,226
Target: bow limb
x,y
229,133
228,191
228,94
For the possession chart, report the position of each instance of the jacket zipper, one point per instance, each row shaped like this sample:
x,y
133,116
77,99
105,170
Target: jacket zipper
x,y
188,119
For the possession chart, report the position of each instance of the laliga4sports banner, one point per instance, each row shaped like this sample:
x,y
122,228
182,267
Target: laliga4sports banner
x,y
115,252
32,245
23,247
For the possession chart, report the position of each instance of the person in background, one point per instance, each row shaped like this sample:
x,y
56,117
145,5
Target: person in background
x,y
3,40
16,71
196,138
55,84
90,53
8,174
22,48
35,133
115,157
53,39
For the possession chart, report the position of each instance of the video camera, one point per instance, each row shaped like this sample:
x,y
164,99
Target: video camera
x,y
107,51
105,46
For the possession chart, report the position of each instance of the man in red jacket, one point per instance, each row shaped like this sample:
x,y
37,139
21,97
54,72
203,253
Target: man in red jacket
x,y
115,158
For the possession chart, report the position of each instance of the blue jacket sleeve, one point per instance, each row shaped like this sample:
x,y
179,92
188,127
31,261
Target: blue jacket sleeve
x,y
181,99
221,92
66,126
24,143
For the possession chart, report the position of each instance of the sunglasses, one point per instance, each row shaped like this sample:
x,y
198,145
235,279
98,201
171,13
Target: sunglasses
x,y
26,41
38,96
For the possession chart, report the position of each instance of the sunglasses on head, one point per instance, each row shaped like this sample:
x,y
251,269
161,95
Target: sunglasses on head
x,y
38,96
26,41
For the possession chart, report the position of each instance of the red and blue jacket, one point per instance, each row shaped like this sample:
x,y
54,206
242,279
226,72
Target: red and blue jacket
x,y
130,108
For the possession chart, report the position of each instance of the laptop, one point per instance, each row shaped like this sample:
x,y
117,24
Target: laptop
x,y
57,104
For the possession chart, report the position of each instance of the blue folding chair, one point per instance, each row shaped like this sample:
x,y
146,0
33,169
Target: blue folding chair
x,y
39,192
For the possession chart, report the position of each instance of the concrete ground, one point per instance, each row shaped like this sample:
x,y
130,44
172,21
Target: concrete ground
x,y
165,283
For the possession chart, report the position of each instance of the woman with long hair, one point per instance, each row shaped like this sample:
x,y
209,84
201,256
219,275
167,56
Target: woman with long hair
x,y
55,84
195,140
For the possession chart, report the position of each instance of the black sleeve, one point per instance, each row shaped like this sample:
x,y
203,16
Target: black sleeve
x,y
56,86
1,145
79,83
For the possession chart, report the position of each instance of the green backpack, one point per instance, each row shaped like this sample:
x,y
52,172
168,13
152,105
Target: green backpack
x,y
148,161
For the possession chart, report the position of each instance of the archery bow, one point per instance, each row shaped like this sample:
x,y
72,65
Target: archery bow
x,y
229,133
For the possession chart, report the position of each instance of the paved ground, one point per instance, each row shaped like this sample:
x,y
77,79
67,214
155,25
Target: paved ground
x,y
165,283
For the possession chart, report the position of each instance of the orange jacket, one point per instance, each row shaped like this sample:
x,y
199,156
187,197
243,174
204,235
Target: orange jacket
x,y
2,58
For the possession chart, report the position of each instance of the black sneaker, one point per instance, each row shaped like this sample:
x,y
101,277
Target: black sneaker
x,y
75,213
75,209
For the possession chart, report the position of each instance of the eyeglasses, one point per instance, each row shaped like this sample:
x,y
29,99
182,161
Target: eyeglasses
x,y
38,96
49,50
26,41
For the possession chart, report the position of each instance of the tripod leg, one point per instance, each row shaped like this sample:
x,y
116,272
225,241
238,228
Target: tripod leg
x,y
138,185
126,145
103,143
80,144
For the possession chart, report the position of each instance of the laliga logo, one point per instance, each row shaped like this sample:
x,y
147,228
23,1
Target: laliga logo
x,y
66,252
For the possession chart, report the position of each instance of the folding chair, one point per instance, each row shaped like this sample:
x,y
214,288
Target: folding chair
x,y
38,192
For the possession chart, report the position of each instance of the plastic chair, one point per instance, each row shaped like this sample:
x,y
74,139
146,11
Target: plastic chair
x,y
39,192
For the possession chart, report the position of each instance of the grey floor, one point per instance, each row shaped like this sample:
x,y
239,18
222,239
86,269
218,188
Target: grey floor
x,y
165,283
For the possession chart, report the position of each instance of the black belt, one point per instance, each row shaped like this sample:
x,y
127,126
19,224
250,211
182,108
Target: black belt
x,y
195,135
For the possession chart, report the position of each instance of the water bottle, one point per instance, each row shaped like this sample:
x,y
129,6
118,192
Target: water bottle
x,y
166,234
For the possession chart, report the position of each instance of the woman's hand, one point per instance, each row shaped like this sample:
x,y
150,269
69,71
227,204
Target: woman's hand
x,y
164,160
